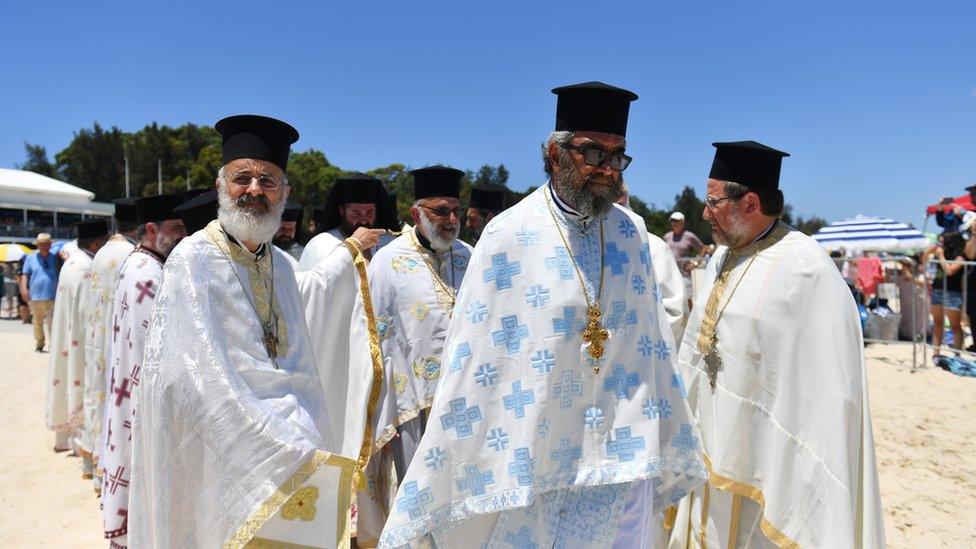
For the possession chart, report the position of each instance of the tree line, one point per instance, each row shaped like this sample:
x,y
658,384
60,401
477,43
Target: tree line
x,y
189,156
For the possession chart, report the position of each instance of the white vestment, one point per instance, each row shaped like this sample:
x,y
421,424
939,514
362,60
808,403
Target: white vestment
x,y
289,257
670,285
66,366
98,334
786,429
527,444
138,283
223,434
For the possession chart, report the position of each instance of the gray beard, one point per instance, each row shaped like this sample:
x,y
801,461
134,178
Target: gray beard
x,y
437,242
589,199
246,226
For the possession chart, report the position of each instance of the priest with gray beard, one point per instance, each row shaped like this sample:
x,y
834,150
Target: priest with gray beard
x,y
230,417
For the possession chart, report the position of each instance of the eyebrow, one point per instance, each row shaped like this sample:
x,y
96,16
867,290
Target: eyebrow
x,y
588,141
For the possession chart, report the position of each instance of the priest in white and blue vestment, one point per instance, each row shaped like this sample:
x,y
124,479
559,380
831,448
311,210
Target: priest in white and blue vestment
x,y
560,417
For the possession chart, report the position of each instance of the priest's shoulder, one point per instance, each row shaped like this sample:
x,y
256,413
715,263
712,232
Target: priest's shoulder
x,y
501,230
324,240
619,213
807,255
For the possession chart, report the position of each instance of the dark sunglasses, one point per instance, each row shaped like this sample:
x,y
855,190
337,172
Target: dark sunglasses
x,y
593,156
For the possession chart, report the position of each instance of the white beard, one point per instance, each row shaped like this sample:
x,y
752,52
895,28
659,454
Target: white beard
x,y
437,242
245,226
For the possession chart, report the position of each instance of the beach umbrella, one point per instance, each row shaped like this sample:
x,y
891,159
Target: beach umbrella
x,y
965,201
878,234
13,252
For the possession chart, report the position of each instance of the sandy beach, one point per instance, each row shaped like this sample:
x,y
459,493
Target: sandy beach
x,y
924,433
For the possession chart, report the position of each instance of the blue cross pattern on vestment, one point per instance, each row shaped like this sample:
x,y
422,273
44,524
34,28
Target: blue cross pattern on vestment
x,y
657,409
562,263
677,382
615,259
519,399
498,439
501,271
461,418
476,311
658,294
511,334
486,374
543,361
537,295
684,441
593,418
620,317
567,324
475,480
522,466
627,228
461,351
566,454
645,346
645,258
566,388
521,540
527,238
625,447
620,381
435,458
662,349
638,284
414,500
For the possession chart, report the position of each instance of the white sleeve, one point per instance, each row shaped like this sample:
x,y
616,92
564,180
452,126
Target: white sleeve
x,y
670,284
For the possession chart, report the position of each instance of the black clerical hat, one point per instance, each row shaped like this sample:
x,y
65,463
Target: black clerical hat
x,y
436,181
198,211
257,137
356,188
747,163
153,209
293,212
485,197
190,193
91,229
125,209
593,107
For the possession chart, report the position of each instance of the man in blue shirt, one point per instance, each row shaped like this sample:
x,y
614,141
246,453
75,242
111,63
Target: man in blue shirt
x,y
38,286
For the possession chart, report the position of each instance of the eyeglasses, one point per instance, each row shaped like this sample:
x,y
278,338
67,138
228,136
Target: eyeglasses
x,y
593,156
266,182
711,202
444,211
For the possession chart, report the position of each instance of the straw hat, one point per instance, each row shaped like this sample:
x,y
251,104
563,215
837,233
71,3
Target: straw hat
x,y
42,238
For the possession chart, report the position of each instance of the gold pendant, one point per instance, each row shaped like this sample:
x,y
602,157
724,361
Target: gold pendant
x,y
595,335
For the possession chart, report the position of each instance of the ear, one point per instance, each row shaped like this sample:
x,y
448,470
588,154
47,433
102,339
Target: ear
x,y
553,153
415,215
753,205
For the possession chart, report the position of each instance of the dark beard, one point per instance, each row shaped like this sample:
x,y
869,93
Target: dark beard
x,y
591,196
283,242
348,229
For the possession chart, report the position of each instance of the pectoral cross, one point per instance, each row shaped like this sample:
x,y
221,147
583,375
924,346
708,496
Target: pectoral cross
x,y
594,334
270,344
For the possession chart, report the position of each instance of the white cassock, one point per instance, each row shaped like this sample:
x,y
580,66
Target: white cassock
x,y
670,285
66,366
98,334
291,259
138,283
527,445
786,430
224,436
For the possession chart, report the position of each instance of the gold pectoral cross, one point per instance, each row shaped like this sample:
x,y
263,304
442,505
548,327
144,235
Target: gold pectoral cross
x,y
595,335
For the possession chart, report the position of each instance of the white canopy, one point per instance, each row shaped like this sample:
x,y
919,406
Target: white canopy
x,y
864,233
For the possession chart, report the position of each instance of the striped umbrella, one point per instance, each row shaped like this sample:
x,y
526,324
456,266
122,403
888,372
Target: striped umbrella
x,y
13,252
864,233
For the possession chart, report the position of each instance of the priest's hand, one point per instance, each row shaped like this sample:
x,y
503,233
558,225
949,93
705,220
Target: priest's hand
x,y
367,238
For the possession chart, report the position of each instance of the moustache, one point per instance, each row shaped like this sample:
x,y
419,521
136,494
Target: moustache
x,y
251,201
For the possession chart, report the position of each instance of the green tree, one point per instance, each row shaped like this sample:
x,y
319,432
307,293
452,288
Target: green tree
x,y
93,161
688,203
37,161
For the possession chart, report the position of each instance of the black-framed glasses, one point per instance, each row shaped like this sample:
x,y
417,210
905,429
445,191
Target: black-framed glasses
x,y
265,181
711,201
595,156
444,211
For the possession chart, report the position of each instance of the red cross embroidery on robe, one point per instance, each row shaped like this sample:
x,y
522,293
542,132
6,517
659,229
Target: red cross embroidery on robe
x,y
116,480
145,289
122,392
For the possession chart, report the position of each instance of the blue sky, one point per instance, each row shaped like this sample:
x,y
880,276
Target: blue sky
x,y
876,101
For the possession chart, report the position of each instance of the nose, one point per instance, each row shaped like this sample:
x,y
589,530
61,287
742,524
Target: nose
x,y
453,216
706,213
254,188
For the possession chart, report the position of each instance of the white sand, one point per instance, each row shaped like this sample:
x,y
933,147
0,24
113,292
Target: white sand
x,y
924,429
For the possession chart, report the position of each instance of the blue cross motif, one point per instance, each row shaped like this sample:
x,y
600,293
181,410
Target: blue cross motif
x,y
561,263
645,346
625,447
461,351
521,540
461,418
435,458
521,466
567,324
645,258
655,409
620,317
501,271
566,454
593,418
627,228
543,361
537,295
543,428
414,500
476,311
615,259
658,294
486,374
677,382
567,388
662,350
475,480
527,238
620,381
498,439
511,334
519,399
684,441
639,285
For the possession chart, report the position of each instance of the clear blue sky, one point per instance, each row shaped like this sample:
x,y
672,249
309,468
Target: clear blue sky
x,y
876,101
